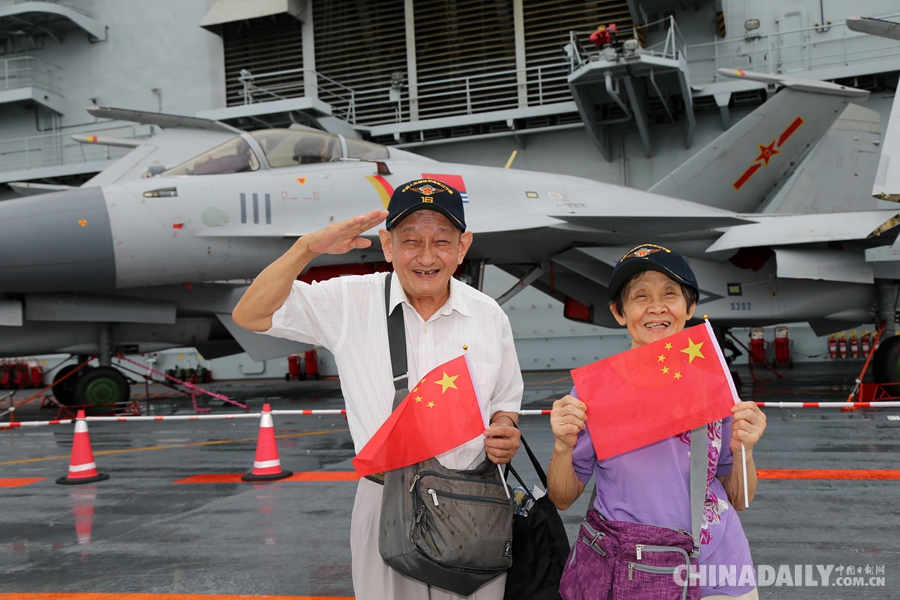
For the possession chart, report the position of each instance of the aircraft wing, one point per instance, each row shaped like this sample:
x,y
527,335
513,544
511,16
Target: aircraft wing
x,y
740,168
781,230
878,27
652,225
260,347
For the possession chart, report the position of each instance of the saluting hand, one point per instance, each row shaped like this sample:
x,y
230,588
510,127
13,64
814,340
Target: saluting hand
x,y
342,237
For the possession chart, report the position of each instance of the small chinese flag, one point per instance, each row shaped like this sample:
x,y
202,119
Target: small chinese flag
x,y
656,391
441,412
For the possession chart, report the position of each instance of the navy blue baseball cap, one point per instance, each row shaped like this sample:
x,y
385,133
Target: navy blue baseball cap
x,y
651,257
426,194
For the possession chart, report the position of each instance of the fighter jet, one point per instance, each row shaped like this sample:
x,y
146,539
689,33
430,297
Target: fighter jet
x,y
155,251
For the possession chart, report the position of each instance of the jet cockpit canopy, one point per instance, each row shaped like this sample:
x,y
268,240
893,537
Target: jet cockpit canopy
x,y
280,148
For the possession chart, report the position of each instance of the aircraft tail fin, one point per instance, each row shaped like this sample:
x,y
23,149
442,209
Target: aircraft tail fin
x,y
838,174
739,170
887,179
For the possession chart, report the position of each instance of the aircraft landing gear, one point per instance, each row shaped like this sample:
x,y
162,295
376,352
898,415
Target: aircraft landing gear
x,y
886,364
64,391
103,390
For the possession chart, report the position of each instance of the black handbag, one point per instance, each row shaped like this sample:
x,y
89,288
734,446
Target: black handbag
x,y
540,545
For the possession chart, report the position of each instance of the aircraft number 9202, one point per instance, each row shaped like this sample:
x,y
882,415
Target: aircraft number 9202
x,y
740,306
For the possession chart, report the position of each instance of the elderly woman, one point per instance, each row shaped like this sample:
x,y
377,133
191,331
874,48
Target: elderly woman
x,y
654,293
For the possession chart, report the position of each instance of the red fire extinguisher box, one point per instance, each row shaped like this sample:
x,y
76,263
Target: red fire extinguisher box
x,y
757,346
783,347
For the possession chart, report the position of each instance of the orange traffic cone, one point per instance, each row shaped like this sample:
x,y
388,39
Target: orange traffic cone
x,y
266,466
82,468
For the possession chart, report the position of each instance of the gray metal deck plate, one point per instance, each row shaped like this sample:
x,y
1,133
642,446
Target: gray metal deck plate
x,y
140,533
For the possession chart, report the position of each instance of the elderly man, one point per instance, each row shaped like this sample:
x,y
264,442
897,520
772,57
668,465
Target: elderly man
x,y
425,240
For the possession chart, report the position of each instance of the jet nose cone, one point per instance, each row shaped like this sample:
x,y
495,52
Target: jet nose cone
x,y
56,242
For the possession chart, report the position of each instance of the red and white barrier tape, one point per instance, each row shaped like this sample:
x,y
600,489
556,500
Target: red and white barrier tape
x,y
341,411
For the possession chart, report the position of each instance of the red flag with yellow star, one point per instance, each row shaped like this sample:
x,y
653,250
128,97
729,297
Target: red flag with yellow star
x,y
441,412
655,391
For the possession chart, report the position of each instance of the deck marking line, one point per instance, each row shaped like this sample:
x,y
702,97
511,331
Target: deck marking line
x,y
191,445
128,596
846,474
14,482
308,476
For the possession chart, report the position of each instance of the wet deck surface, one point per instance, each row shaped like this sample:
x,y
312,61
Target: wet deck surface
x,y
141,532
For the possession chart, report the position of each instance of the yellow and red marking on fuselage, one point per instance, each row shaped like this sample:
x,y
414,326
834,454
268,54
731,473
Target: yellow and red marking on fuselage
x,y
766,152
383,188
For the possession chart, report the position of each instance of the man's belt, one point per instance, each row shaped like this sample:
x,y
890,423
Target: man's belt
x,y
376,477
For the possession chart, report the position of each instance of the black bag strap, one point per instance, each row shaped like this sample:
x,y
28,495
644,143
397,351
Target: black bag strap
x,y
534,463
699,462
396,327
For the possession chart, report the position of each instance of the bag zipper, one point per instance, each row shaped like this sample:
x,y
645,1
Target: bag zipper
x,y
435,493
648,569
594,537
645,548
452,478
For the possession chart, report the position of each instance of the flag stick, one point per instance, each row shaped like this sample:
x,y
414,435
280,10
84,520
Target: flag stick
x,y
735,397
503,479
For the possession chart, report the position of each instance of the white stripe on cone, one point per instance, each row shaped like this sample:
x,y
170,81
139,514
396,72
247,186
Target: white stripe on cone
x,y
266,464
84,467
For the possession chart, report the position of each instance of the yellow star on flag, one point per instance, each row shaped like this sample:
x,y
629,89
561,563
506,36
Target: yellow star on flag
x,y
418,398
665,370
693,350
447,382
677,375
668,346
662,358
431,405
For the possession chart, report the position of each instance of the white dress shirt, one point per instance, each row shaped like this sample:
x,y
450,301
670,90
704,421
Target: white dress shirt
x,y
346,315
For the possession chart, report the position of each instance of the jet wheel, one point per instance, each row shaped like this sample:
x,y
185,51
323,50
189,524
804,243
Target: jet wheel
x,y
886,364
103,389
64,391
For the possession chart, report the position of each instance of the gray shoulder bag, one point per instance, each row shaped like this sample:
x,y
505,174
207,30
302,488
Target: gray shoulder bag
x,y
428,510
